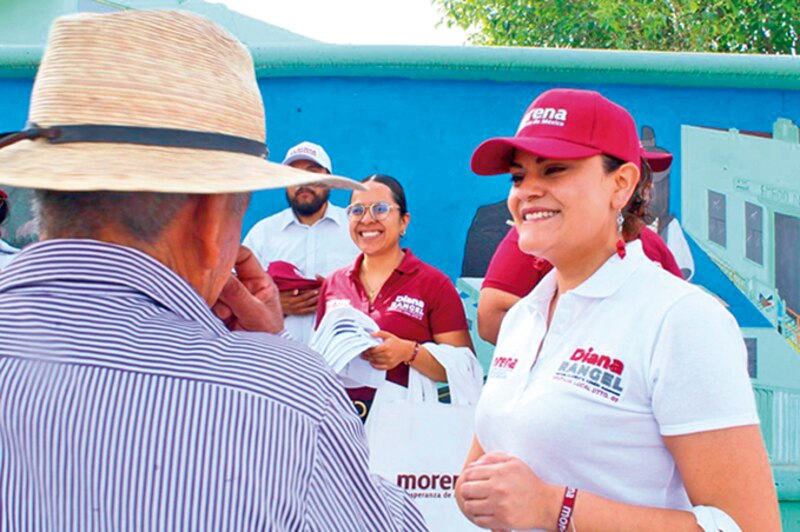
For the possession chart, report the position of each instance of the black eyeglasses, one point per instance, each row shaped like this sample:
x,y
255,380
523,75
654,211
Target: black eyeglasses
x,y
379,210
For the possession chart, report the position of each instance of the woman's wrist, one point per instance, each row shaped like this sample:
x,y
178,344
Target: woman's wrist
x,y
412,356
553,500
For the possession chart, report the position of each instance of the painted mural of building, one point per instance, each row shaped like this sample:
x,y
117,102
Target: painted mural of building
x,y
740,195
741,204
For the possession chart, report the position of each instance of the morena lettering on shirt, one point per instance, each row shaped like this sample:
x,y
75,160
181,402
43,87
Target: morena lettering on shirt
x,y
505,362
502,366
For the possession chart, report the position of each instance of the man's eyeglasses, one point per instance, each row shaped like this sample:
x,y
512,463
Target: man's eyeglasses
x,y
379,210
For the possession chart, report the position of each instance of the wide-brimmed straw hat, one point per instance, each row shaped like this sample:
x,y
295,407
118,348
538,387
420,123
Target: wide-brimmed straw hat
x,y
162,101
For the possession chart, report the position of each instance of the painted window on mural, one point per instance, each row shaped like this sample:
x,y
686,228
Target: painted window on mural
x,y
787,259
716,218
754,232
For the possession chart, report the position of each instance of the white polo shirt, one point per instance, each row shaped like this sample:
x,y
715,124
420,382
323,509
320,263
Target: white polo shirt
x,y
317,249
632,354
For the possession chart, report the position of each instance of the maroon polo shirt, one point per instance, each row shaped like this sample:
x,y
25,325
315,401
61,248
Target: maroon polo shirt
x,y
416,302
514,271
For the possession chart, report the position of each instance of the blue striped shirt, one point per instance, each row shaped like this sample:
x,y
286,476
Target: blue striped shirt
x,y
125,404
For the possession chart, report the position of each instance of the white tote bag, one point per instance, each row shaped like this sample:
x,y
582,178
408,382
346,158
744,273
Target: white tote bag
x,y
421,444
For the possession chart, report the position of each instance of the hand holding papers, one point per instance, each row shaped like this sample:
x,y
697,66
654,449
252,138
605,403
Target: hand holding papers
x,y
341,337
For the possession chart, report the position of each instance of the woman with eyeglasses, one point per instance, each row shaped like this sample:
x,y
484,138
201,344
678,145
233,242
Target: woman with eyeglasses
x,y
618,397
411,301
7,252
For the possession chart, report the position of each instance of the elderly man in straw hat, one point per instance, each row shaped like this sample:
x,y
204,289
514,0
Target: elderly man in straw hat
x,y
126,404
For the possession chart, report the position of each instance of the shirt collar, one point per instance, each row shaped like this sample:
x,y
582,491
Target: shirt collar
x,y
337,215
100,263
7,248
409,264
332,213
613,273
603,283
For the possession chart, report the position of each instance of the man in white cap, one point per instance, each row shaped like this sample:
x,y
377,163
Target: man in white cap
x,y
142,385
312,234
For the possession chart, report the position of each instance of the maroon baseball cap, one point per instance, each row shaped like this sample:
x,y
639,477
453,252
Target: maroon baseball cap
x,y
658,160
564,124
288,277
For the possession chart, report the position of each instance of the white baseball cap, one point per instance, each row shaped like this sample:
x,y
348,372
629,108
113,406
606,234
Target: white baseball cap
x,y
308,151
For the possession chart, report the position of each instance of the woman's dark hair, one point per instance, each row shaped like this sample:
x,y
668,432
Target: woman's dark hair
x,y
635,212
398,194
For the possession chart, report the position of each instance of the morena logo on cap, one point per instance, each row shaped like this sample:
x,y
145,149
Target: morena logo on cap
x,y
596,125
309,151
547,116
304,149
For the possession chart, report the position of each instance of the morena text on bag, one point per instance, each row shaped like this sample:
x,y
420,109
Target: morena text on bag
x,y
411,481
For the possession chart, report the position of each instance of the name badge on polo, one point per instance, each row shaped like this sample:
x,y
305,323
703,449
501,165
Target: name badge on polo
x,y
408,306
599,374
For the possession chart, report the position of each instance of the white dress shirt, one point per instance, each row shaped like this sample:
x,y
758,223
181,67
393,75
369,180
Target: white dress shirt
x,y
7,252
318,249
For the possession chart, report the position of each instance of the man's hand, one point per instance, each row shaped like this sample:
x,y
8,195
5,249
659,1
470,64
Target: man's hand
x,y
249,301
299,302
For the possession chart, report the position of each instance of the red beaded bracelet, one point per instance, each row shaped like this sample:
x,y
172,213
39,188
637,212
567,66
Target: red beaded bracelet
x,y
567,508
413,355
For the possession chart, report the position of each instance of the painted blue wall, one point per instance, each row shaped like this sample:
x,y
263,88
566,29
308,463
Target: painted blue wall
x,y
423,133
15,95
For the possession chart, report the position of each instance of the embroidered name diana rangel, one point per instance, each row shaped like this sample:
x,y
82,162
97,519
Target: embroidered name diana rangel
x,y
593,372
410,306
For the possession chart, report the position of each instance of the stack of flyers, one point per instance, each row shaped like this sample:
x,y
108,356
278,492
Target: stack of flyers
x,y
341,337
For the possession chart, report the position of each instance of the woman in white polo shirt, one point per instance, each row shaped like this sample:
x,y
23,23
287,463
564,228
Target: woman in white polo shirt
x,y
618,397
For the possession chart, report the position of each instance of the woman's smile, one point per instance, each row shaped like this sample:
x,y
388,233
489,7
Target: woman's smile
x,y
537,214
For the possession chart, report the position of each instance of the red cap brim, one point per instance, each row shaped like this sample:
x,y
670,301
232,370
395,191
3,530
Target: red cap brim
x,y
658,161
493,156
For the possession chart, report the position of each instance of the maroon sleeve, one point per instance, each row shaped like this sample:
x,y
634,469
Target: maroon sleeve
x,y
512,270
656,250
447,310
